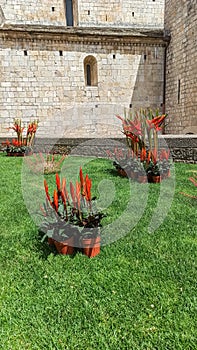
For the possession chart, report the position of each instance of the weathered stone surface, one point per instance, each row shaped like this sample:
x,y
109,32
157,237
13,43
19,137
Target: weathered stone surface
x,y
181,69
183,148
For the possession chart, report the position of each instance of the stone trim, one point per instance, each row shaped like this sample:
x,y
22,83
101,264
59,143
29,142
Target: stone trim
x,y
88,36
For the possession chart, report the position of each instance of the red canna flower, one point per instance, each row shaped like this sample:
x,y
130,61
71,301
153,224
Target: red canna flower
x,y
55,200
64,185
58,183
154,156
156,122
81,178
88,183
47,191
143,154
78,194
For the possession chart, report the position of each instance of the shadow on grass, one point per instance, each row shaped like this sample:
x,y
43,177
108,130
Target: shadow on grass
x,y
44,249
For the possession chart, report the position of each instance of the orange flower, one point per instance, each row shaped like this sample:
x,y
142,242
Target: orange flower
x,y
58,183
148,157
47,191
78,194
143,154
55,200
154,156
81,180
156,122
88,183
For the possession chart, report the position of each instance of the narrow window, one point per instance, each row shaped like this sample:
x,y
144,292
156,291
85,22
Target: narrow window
x,y
69,13
25,52
179,90
88,75
90,71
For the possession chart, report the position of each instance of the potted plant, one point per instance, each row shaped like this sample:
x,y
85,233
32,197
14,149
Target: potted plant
x,y
21,145
72,219
141,133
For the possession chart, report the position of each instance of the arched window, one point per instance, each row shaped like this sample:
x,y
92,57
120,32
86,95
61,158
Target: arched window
x,y
90,71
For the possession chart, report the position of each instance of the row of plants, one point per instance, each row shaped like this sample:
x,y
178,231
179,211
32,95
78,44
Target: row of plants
x,y
71,220
22,144
144,160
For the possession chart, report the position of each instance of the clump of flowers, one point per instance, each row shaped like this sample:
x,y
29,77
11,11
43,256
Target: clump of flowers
x,y
141,133
22,143
66,212
48,164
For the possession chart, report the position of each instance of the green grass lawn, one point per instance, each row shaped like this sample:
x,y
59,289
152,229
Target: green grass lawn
x,y
139,293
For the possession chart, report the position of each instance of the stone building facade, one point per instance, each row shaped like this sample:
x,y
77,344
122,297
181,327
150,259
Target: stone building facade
x,y
75,64
181,66
76,67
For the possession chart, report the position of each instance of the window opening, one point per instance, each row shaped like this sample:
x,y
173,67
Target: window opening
x,y
69,13
90,71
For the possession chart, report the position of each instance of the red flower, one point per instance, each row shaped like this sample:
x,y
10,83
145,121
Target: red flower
x,y
156,122
143,154
131,127
78,194
55,200
6,143
58,183
154,156
88,183
81,179
47,191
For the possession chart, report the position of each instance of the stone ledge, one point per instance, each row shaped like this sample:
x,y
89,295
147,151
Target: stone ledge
x,y
183,147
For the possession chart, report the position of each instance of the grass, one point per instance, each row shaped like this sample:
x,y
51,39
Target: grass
x,y
139,293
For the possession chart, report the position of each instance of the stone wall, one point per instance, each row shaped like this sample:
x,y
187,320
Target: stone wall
x,y
183,147
181,69
144,13
42,77
122,13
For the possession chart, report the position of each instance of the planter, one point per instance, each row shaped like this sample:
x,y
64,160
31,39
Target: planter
x,y
91,246
66,247
15,154
51,241
150,178
122,172
142,179
132,175
156,178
